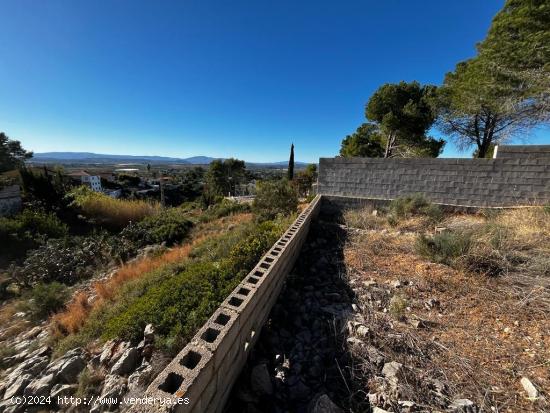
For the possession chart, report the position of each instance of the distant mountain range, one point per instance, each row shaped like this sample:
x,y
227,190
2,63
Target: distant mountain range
x,y
97,158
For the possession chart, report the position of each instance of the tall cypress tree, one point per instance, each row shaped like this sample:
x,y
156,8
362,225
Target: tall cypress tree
x,y
291,164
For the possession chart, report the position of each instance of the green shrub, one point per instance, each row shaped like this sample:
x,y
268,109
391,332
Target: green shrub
x,y
71,259
40,222
222,209
410,205
27,230
445,247
169,226
180,304
275,198
398,305
48,298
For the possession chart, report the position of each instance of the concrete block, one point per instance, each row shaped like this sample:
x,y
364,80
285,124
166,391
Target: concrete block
x,y
219,334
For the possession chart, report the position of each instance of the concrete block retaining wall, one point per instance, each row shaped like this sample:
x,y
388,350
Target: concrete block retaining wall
x,y
206,369
465,182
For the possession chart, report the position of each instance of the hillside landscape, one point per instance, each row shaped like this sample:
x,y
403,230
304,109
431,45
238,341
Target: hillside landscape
x,y
165,248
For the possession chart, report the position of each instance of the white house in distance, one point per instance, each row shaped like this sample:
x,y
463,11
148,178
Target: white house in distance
x,y
93,181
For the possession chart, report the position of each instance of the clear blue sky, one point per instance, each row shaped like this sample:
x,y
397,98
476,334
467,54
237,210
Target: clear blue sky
x,y
219,78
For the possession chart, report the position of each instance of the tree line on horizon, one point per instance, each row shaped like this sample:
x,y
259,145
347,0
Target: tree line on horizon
x,y
501,93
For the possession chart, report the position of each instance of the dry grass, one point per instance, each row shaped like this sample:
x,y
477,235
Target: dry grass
x,y
114,212
11,326
364,218
73,317
525,229
367,219
484,336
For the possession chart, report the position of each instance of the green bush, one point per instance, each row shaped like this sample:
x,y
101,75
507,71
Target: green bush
x,y
48,298
222,209
71,259
275,198
398,305
27,230
169,226
180,304
445,247
410,205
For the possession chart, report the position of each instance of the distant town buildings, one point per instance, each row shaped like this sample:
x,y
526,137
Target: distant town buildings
x,y
93,181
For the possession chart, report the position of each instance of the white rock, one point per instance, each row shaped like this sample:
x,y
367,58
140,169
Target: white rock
x,y
369,283
71,368
396,284
463,406
112,350
391,369
113,388
16,388
149,333
139,379
529,388
362,330
379,410
32,333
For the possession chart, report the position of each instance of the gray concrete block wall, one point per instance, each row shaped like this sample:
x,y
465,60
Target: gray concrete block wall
x,y
521,151
467,182
206,369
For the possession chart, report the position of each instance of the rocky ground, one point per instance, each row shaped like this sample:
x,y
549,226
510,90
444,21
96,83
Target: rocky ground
x,y
299,362
363,324
113,371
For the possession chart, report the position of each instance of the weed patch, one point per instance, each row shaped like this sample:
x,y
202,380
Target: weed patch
x,y
405,207
444,248
169,226
48,298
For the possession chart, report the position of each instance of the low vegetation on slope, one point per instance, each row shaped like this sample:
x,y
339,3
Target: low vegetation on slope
x,y
178,297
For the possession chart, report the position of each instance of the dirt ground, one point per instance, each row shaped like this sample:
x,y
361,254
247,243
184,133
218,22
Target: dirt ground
x,y
475,335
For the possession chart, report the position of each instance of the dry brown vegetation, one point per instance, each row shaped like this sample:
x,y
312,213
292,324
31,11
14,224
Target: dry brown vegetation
x,y
477,334
110,211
